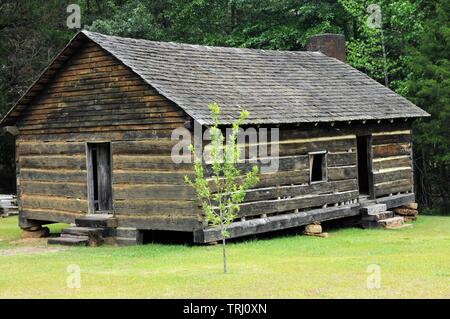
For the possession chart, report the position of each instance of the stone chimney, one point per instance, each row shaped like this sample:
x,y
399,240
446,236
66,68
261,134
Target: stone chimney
x,y
329,44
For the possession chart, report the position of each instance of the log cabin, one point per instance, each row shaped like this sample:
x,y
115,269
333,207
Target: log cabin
x,y
94,137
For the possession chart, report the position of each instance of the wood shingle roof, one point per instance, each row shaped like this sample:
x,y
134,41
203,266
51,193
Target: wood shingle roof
x,y
274,86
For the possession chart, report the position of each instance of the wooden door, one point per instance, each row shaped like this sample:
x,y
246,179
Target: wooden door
x,y
99,177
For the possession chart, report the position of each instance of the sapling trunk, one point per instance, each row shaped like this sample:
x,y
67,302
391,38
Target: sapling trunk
x,y
224,255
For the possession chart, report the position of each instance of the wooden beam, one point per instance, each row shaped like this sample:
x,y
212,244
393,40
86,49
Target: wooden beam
x,y
397,200
262,225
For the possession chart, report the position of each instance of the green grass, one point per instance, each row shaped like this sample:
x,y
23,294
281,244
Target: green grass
x,y
415,263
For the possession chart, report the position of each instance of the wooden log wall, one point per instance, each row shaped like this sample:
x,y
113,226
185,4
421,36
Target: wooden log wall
x,y
392,162
94,98
288,188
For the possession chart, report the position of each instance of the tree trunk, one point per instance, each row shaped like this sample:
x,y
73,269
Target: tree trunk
x,y
224,255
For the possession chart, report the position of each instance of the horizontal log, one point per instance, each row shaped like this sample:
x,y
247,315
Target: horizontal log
x,y
396,200
272,223
55,203
93,137
341,159
152,147
391,139
151,177
303,146
391,162
279,178
300,190
163,222
63,148
55,175
157,191
393,187
141,162
157,207
394,175
387,150
75,190
167,128
62,115
51,216
342,172
270,164
173,121
283,205
67,162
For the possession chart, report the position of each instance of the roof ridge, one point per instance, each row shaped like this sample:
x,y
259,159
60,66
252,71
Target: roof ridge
x,y
201,46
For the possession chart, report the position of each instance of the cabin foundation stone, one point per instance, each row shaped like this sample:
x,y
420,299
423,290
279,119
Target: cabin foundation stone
x,y
35,232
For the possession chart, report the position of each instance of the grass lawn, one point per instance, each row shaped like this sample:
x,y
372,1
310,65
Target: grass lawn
x,y
414,263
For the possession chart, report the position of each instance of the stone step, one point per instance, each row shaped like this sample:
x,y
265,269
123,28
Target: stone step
x,y
391,222
96,221
373,209
91,232
69,241
378,216
399,226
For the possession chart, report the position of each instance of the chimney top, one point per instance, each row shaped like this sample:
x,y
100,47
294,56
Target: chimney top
x,y
330,44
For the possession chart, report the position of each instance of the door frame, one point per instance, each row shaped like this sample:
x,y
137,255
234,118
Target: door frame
x,y
369,152
90,179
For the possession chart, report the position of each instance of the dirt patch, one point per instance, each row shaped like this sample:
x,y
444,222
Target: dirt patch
x,y
28,251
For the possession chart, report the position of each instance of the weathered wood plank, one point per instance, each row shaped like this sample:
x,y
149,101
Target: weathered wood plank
x,y
157,207
342,172
67,162
393,187
397,200
156,191
141,162
167,128
341,159
55,175
54,202
392,175
163,222
300,190
387,150
153,147
151,176
61,148
262,225
283,205
391,139
270,164
111,135
391,162
75,190
51,215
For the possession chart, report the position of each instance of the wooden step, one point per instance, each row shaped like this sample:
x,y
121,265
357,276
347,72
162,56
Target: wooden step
x,y
74,236
96,221
69,241
378,216
91,232
371,209
391,222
